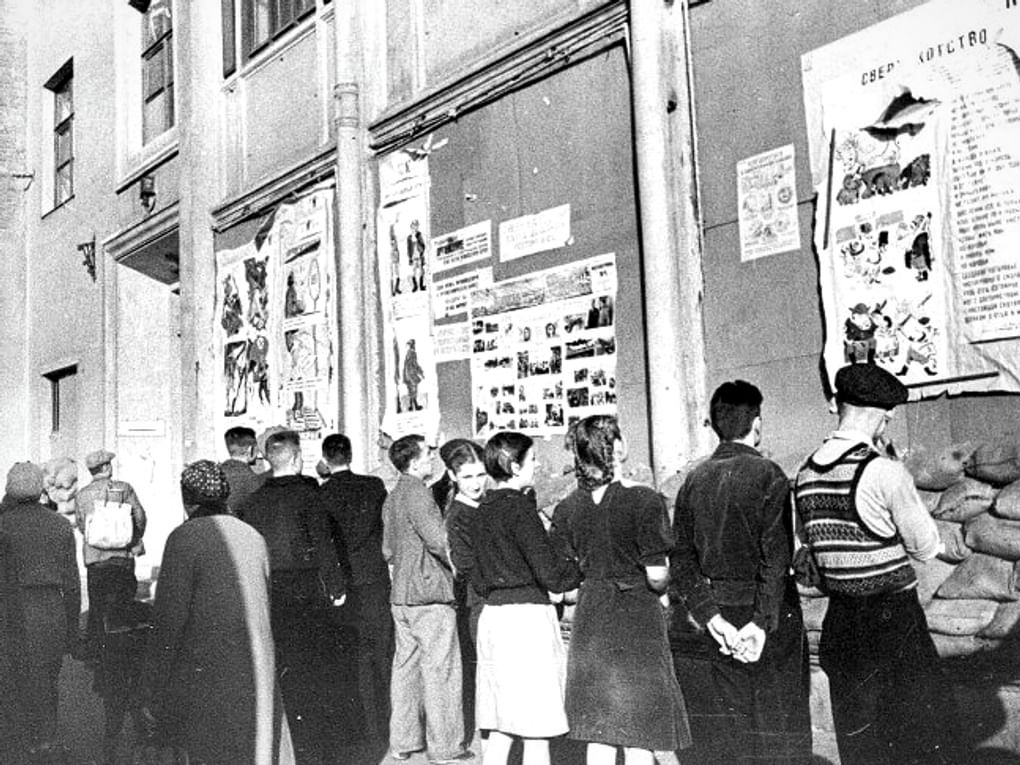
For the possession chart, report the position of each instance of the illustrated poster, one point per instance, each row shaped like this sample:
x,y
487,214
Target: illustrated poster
x,y
915,155
767,204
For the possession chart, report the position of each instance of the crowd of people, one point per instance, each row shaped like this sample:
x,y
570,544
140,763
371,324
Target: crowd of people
x,y
685,632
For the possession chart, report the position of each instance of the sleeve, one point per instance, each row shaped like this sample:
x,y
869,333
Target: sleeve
x,y
886,493
70,585
330,570
462,555
774,552
553,570
654,535
170,615
428,523
137,513
560,534
387,535
334,519
688,584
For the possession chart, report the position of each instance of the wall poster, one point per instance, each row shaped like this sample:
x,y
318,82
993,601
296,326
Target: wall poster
x,y
277,325
914,139
767,204
411,400
544,348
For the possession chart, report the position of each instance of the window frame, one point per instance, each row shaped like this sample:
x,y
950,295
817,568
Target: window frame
x,y
160,46
54,377
61,86
283,16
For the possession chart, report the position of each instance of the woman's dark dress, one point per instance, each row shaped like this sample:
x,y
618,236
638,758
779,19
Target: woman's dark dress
x,y
621,687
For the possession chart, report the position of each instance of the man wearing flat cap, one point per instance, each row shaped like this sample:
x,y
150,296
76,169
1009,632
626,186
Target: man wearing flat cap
x,y
863,522
39,602
110,573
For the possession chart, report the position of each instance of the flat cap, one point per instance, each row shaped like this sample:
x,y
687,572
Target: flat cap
x,y
24,481
869,385
97,458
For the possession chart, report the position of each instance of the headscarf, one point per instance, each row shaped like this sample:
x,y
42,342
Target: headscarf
x,y
204,484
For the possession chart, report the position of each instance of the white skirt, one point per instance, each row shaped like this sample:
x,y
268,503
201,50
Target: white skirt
x,y
522,668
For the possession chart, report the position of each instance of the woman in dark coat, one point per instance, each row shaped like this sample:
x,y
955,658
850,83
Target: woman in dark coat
x,y
40,596
621,688
209,681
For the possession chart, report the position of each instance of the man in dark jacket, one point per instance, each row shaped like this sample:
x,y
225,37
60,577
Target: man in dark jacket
x,y
306,582
243,480
744,673
40,598
354,503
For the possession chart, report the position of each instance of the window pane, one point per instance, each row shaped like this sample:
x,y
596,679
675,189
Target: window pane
x,y
229,34
260,28
62,186
152,73
284,14
63,105
62,144
154,117
301,7
156,23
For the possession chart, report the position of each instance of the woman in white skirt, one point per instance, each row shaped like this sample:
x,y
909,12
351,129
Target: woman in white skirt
x,y
521,658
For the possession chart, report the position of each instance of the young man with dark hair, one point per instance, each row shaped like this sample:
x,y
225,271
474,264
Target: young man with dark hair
x,y
744,669
354,503
243,480
427,713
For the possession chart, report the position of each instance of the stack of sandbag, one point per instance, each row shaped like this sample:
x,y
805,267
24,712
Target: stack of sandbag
x,y
971,593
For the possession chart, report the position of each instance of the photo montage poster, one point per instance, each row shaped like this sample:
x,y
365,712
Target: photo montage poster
x,y
543,348
914,141
277,325
411,398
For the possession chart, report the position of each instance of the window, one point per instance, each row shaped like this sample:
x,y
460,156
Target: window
x,y
157,70
264,20
61,85
59,378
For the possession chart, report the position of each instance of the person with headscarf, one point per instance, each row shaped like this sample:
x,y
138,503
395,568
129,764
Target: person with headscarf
x,y
209,679
621,689
40,595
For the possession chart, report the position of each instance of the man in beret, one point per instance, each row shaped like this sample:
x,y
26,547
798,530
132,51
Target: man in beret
x,y
39,603
110,573
862,520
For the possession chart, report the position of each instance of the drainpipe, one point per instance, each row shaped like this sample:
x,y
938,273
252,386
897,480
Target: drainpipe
x,y
350,221
671,240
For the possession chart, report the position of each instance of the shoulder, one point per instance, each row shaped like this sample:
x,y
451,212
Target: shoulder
x,y
884,470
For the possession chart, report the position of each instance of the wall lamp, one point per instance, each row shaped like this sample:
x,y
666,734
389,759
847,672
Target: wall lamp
x,y
147,192
88,250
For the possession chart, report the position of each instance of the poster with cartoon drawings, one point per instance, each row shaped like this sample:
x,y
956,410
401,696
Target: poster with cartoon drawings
x,y
277,323
914,158
544,348
243,317
412,402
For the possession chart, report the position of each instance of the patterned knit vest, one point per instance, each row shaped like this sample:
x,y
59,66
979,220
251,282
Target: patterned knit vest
x,y
852,559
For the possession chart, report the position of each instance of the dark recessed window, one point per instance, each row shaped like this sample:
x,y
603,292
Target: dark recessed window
x,y
61,85
264,20
157,70
56,377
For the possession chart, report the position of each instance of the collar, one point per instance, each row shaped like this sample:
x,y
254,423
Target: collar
x,y
465,500
852,436
340,471
733,448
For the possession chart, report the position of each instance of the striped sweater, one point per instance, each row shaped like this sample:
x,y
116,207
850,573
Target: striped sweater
x,y
852,559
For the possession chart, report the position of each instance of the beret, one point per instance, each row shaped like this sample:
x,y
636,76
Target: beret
x,y
204,482
25,481
97,458
869,385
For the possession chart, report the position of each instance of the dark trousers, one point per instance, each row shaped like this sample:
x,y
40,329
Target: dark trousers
x,y
370,606
748,713
890,703
111,584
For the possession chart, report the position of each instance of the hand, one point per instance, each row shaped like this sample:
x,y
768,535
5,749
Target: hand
x,y
339,601
750,643
724,633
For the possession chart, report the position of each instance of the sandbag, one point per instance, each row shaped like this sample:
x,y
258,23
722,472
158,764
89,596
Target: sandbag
x,y
1007,502
965,499
935,470
930,576
955,646
995,462
993,536
1005,625
981,576
959,617
951,534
